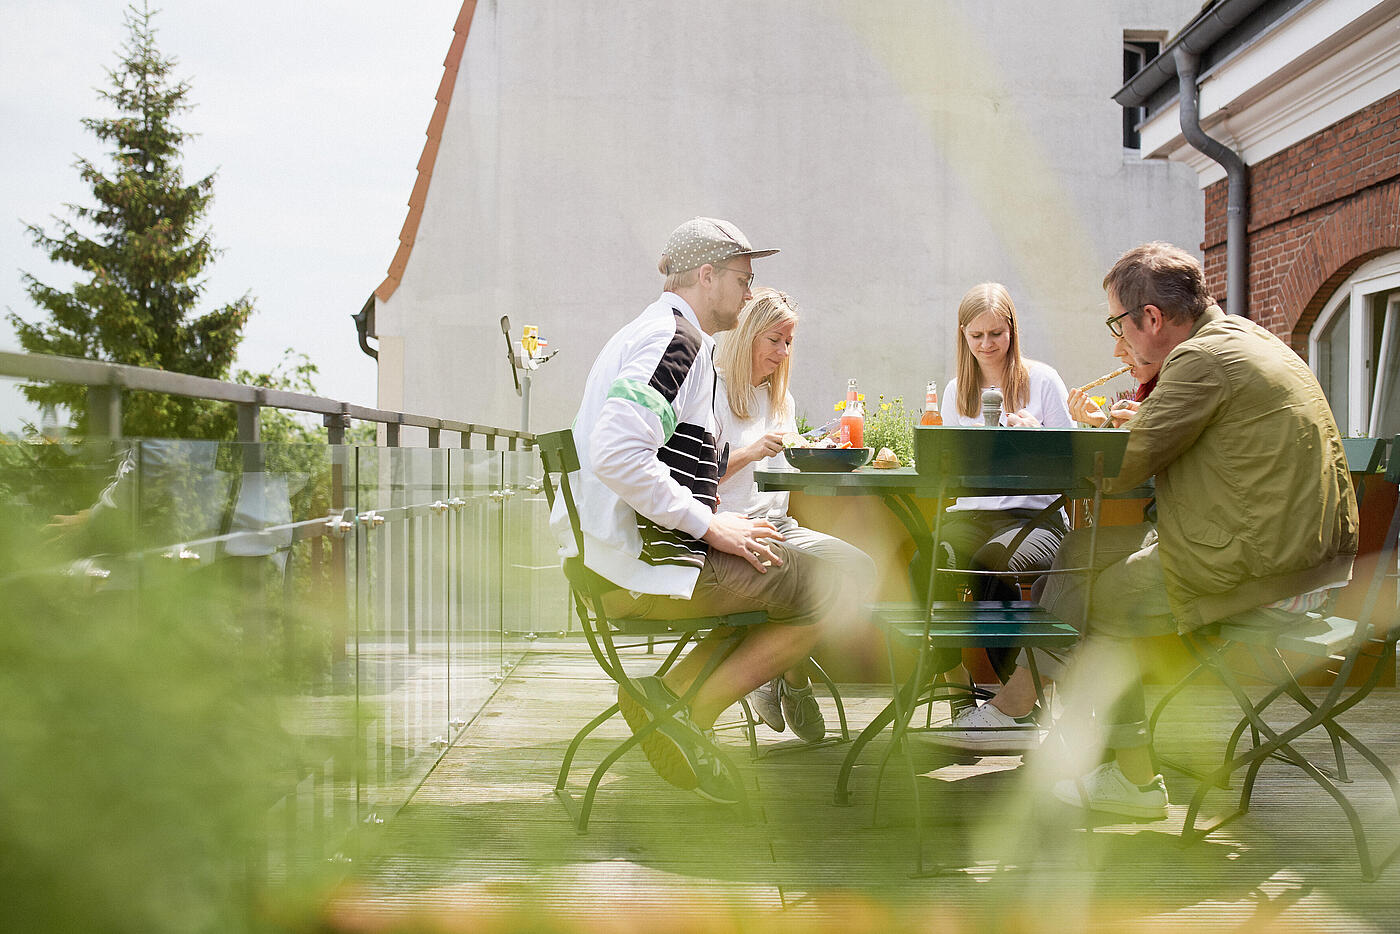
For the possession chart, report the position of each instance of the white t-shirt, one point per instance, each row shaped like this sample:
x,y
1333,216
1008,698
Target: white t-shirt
x,y
738,492
1048,403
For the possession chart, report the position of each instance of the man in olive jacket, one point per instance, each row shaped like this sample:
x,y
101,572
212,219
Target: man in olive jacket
x,y
1255,509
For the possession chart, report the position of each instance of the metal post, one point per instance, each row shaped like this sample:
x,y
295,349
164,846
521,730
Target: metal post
x,y
335,428
104,412
249,429
524,400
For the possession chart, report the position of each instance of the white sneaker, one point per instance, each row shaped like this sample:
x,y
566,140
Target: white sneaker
x,y
802,712
985,729
1108,790
766,703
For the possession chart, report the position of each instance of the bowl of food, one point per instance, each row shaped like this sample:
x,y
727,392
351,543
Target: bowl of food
x,y
828,460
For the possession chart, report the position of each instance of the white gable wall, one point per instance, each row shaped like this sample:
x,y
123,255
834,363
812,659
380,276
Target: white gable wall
x,y
897,153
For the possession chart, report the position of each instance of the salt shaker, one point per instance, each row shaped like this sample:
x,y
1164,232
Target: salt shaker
x,y
991,407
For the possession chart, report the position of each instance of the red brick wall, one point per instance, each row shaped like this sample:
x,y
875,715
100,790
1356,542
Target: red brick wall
x,y
1317,211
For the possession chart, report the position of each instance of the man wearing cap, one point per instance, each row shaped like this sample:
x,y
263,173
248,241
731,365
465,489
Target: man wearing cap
x,y
646,498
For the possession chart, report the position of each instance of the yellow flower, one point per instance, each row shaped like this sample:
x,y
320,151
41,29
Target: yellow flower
x,y
840,406
860,397
1099,400
884,406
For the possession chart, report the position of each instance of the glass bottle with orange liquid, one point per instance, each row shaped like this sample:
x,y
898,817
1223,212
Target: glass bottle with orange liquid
x,y
852,431
931,415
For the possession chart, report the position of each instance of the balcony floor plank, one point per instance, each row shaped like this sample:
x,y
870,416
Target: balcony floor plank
x,y
485,838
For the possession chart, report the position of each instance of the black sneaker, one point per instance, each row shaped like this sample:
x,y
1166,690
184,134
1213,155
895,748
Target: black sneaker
x,y
714,780
677,749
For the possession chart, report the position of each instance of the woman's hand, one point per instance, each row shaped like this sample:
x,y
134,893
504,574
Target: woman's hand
x,y
1022,419
766,446
1085,410
1122,411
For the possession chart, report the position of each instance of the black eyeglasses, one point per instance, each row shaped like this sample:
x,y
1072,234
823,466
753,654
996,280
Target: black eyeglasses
x,y
744,277
1114,323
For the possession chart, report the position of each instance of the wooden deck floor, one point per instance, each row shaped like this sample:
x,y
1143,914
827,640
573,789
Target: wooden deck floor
x,y
485,845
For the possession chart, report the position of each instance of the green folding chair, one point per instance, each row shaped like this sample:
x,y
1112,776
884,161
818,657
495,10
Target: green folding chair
x,y
560,459
1278,658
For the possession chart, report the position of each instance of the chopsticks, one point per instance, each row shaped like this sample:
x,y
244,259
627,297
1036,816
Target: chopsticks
x,y
1103,379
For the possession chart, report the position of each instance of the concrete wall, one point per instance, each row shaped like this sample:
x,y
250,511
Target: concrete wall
x,y
897,152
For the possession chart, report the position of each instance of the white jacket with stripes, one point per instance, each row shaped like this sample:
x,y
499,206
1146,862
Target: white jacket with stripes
x,y
648,467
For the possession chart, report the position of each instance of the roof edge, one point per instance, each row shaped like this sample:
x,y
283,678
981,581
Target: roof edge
x,y
426,162
1214,22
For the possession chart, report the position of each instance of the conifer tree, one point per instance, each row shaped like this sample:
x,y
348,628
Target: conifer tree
x,y
142,250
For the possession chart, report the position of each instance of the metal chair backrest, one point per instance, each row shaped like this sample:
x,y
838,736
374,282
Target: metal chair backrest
x,y
560,458
1365,455
1058,459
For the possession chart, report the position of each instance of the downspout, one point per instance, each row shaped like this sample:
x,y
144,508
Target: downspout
x,y
1237,174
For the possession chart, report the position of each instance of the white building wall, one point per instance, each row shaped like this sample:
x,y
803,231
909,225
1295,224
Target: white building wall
x,y
897,153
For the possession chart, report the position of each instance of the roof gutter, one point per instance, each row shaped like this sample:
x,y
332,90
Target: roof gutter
x,y
1181,60
1208,28
1236,173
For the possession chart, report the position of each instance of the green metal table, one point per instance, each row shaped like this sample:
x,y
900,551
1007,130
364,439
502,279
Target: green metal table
x,y
957,461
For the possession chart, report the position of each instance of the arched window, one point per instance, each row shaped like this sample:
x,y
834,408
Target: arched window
x,y
1354,349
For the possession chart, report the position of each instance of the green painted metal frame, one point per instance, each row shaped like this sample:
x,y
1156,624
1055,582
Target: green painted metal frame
x,y
1335,641
560,458
956,461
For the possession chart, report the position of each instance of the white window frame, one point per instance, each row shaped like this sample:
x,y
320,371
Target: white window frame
x,y
1378,275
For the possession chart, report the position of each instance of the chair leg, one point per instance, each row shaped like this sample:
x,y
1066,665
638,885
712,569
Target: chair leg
x,y
1156,715
750,726
873,729
1276,741
835,696
592,791
579,737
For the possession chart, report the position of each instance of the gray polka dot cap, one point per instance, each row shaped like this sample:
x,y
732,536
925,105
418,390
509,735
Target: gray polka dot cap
x,y
702,240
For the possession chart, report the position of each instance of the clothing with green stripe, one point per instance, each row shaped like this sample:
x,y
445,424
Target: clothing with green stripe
x,y
645,434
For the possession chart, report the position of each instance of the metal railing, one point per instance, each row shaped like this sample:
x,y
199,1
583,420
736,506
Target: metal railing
x,y
376,596
105,383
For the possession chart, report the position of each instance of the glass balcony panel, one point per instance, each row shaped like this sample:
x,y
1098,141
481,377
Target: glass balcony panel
x,y
478,656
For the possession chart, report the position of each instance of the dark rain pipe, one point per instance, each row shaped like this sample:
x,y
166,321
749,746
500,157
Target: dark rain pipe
x,y
1237,174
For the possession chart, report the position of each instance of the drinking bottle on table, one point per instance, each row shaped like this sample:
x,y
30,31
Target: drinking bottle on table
x,y
931,415
853,418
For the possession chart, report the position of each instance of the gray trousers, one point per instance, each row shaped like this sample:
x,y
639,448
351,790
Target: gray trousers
x,y
1129,602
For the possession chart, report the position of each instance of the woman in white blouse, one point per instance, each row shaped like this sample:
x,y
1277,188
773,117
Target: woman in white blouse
x,y
997,533
754,410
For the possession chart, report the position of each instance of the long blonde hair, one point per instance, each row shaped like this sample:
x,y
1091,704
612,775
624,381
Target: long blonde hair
x,y
734,357
1015,381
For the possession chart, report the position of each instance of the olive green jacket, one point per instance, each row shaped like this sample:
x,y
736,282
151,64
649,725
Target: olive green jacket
x,y
1254,502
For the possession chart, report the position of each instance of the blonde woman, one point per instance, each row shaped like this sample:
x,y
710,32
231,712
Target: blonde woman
x,y
754,409
997,533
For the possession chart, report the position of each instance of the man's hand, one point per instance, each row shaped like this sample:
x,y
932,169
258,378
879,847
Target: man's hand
x,y
1122,412
1084,409
748,538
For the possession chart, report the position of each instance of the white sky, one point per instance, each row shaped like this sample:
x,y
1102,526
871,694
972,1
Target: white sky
x,y
311,112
